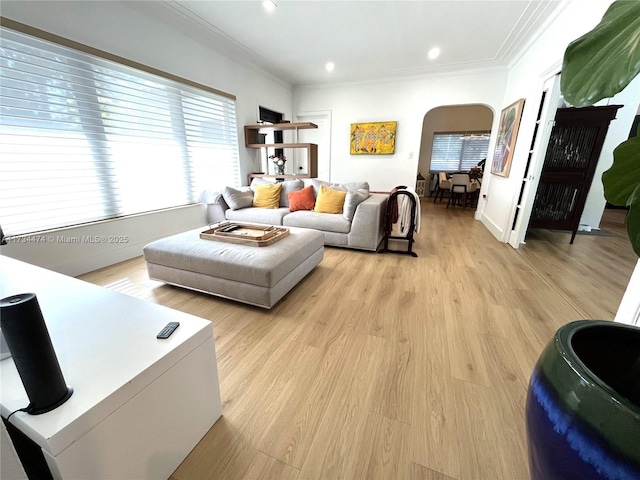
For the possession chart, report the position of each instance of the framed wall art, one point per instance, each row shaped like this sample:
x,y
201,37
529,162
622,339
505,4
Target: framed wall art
x,y
375,138
506,142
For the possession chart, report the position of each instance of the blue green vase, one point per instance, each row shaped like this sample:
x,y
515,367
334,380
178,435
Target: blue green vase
x,y
583,404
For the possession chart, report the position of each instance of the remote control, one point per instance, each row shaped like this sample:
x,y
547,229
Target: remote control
x,y
168,330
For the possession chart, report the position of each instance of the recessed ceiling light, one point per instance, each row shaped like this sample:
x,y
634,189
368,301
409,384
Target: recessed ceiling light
x,y
434,53
330,66
269,5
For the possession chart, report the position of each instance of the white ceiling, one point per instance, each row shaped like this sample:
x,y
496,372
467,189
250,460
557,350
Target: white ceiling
x,y
367,40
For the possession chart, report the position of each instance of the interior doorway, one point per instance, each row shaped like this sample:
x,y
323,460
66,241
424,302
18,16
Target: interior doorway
x,y
544,123
464,119
321,136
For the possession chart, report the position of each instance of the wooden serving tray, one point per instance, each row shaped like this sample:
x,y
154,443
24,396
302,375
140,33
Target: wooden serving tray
x,y
246,234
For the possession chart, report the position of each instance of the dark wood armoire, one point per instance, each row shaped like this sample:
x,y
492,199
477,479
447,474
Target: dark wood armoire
x,y
569,165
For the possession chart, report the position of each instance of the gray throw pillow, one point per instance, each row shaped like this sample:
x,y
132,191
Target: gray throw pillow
x,y
238,198
289,186
352,200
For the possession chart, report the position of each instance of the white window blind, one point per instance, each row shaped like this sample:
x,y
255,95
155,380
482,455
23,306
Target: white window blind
x,y
84,139
452,152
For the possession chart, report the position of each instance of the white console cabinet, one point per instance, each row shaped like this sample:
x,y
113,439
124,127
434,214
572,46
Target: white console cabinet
x,y
139,404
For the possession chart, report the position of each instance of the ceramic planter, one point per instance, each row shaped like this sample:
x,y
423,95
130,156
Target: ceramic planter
x,y
583,404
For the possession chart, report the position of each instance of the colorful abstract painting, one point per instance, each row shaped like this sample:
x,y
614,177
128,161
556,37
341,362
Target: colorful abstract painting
x,y
377,138
507,134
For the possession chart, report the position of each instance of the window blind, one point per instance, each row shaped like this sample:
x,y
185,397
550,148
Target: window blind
x,y
452,152
85,139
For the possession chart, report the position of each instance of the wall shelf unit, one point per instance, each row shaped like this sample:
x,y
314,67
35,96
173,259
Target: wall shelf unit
x,y
252,136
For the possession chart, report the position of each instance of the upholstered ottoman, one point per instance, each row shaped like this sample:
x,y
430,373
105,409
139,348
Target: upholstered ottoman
x,y
256,275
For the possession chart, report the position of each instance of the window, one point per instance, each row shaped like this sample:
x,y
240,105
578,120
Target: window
x,y
452,152
83,138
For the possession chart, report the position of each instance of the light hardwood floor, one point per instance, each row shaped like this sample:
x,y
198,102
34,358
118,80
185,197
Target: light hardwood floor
x,y
392,367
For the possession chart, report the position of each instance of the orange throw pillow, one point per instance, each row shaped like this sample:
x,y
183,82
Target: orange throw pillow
x,y
301,199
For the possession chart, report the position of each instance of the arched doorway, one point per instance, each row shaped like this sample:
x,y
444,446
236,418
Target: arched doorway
x,y
463,119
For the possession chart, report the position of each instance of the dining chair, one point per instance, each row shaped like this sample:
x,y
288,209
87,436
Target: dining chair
x,y
444,185
461,188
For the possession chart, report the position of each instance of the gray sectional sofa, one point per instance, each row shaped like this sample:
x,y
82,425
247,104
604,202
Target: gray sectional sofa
x,y
360,226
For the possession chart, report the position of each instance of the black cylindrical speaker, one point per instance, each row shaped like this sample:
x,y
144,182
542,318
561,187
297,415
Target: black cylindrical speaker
x,y
28,339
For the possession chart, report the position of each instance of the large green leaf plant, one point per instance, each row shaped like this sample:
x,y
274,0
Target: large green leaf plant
x,y
598,65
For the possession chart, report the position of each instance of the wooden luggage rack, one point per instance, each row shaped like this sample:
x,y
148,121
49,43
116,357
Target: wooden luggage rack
x,y
388,223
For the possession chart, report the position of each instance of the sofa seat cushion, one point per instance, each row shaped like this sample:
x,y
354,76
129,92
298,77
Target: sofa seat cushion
x,y
328,222
262,266
268,216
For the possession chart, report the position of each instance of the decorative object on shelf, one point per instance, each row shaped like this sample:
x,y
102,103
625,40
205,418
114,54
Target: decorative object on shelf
x,y
377,138
507,134
583,404
278,162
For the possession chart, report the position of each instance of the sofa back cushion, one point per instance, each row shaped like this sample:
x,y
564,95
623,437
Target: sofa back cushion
x,y
302,199
329,200
351,186
289,186
238,198
315,183
267,195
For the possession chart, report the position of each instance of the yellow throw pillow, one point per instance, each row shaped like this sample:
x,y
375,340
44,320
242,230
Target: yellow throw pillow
x,y
267,195
329,200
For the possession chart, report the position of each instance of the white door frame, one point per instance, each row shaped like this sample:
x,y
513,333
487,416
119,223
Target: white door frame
x,y
323,119
552,86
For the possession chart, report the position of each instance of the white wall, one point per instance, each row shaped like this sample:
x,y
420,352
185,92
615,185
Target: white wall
x,y
161,41
404,100
542,59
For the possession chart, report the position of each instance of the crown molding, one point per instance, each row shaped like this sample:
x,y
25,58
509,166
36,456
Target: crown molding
x,y
197,28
